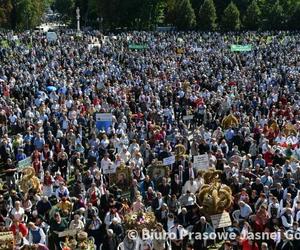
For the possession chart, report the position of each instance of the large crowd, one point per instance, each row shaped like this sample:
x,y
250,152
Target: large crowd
x,y
52,91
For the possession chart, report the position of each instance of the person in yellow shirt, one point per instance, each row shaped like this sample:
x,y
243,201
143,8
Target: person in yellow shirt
x,y
65,205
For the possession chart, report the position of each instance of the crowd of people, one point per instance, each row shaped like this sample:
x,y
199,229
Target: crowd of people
x,y
176,90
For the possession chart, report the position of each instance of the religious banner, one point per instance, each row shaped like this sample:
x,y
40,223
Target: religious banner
x,y
103,121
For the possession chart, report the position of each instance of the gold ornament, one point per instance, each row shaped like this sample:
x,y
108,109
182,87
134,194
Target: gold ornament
x,y
29,180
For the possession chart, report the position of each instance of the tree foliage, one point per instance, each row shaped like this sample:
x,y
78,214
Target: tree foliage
x,y
207,16
231,18
252,17
66,8
6,8
147,14
184,15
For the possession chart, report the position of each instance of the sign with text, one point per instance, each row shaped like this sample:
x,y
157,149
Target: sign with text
x,y
201,161
240,48
103,121
109,169
169,160
221,220
138,46
24,163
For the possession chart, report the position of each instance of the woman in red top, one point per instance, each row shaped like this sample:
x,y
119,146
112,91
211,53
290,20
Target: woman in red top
x,y
17,227
261,218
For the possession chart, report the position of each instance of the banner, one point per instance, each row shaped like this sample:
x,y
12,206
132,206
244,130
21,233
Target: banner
x,y
24,163
51,36
240,48
109,169
201,161
103,121
221,220
138,46
188,117
169,160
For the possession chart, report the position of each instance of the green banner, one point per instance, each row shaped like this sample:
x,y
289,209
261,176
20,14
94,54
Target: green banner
x,y
138,46
241,48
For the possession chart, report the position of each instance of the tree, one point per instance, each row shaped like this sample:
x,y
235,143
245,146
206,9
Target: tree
x,y
185,17
66,8
253,16
6,8
294,20
275,19
231,18
28,13
207,16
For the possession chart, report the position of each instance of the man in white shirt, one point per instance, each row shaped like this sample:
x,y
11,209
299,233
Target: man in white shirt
x,y
245,210
190,185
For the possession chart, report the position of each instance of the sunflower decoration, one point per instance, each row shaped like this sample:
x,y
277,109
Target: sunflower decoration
x,y
139,221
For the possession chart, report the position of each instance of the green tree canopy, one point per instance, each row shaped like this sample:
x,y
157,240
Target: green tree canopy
x,y
184,14
66,8
252,18
207,16
231,18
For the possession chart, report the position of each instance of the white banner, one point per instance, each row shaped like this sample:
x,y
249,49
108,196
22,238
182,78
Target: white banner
x,y
104,117
221,220
201,161
109,169
187,117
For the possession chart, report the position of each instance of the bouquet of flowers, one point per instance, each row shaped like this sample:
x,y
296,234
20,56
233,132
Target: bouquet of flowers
x,y
140,220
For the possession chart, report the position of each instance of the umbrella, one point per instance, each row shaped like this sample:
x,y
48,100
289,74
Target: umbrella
x,y
51,88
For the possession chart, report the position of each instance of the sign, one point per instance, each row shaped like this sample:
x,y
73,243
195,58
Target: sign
x,y
93,45
240,48
68,233
109,169
187,117
138,46
24,163
51,36
169,160
103,121
221,220
201,161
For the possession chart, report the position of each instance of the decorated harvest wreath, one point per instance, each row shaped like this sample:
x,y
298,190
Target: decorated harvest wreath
x,y
139,221
7,240
214,197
